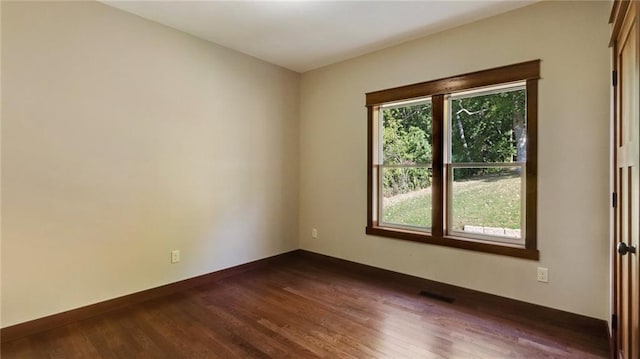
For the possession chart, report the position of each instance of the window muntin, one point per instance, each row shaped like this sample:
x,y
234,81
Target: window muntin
x,y
447,172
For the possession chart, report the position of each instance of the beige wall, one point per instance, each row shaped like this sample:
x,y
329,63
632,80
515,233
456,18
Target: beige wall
x,y
122,140
571,40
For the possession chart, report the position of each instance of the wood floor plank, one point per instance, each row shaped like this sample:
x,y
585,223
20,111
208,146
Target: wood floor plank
x,y
307,308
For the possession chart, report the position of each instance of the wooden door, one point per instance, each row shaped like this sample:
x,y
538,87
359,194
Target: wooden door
x,y
626,118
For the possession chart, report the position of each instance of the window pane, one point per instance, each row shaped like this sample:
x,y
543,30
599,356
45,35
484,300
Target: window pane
x,y
406,134
406,196
489,127
487,201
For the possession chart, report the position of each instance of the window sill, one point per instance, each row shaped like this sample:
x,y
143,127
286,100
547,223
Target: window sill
x,y
473,245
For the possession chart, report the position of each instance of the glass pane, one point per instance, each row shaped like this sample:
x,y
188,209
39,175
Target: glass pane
x,y
489,127
407,196
487,201
406,134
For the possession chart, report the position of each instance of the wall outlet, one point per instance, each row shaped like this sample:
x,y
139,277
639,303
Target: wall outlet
x,y
543,274
314,233
175,256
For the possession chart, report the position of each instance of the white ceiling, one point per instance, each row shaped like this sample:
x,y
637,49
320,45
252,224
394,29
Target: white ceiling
x,y
304,35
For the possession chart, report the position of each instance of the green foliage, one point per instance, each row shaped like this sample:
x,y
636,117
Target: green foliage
x,y
403,180
406,140
488,128
484,128
406,137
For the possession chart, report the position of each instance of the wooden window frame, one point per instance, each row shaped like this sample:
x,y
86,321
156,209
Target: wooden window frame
x,y
528,72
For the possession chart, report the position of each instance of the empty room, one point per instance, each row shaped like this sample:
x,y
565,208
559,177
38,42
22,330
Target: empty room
x,y
320,179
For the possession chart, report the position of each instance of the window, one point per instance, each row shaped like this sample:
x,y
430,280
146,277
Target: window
x,y
453,161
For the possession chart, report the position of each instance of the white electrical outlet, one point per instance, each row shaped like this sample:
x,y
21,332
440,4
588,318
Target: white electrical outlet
x,y
543,274
175,256
314,233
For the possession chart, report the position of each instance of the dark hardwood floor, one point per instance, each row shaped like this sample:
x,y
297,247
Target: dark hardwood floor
x,y
309,307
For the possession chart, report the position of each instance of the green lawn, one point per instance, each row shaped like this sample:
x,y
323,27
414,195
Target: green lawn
x,y
489,201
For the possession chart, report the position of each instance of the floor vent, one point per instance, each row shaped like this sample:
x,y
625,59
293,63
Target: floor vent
x,y
440,297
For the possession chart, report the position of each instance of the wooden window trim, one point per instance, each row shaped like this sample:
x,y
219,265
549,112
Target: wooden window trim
x,y
529,70
526,71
